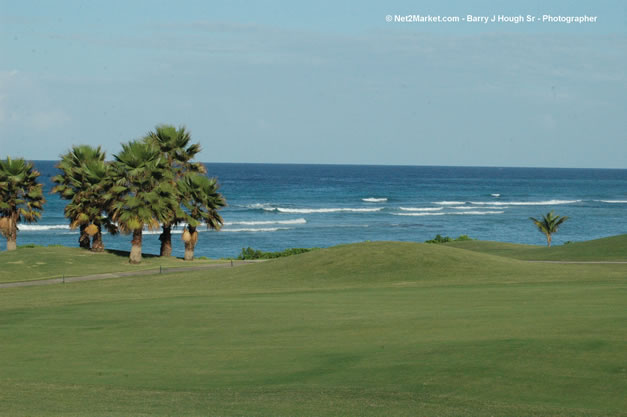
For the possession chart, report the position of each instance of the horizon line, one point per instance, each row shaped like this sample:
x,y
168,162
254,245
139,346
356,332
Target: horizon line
x,y
382,165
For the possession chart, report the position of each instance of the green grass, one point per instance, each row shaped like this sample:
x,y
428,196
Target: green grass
x,y
372,329
607,249
34,263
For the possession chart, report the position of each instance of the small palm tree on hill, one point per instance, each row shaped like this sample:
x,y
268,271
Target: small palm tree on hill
x,y
549,225
143,194
201,201
21,197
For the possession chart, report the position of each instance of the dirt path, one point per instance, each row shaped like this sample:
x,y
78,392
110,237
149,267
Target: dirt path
x,y
110,275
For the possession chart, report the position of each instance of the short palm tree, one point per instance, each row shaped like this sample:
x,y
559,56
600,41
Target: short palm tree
x,y
178,151
201,201
549,224
84,181
21,197
142,194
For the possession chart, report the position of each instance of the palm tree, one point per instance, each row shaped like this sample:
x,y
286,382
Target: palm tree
x,y
143,194
21,197
201,201
85,180
178,151
549,224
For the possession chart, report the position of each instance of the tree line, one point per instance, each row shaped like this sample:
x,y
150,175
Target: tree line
x,y
152,183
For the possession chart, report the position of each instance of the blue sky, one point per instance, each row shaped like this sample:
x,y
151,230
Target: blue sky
x,y
319,82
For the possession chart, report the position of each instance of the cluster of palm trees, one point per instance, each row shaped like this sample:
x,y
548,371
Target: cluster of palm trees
x,y
152,183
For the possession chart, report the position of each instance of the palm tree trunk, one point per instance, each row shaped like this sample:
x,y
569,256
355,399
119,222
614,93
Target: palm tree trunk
x,y
548,240
12,234
136,247
166,240
83,238
189,246
97,245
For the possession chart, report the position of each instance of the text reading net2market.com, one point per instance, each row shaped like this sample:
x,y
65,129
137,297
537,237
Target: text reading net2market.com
x,y
496,18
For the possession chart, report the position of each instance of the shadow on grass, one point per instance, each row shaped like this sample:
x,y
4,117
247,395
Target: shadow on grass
x,y
116,252
126,254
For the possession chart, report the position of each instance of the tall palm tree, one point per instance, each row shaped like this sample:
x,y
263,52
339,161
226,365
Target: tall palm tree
x,y
84,181
178,151
201,201
21,197
143,194
549,224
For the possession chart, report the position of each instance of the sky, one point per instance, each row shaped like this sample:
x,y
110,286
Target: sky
x,y
329,82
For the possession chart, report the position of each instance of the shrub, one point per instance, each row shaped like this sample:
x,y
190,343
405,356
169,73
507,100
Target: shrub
x,y
250,253
446,239
439,239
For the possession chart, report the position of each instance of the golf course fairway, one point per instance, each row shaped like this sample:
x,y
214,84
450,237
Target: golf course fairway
x,y
368,329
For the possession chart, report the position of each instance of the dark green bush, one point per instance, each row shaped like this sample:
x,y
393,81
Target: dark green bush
x,y
445,239
250,253
439,239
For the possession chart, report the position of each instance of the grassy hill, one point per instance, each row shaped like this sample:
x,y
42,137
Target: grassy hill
x,y
381,328
607,249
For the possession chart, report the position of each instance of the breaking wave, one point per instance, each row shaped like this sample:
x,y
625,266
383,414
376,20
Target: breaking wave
x,y
419,214
449,203
470,212
258,223
42,227
374,200
524,203
421,208
479,212
252,230
327,210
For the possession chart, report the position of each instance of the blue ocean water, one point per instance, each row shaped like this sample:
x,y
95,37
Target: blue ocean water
x,y
274,207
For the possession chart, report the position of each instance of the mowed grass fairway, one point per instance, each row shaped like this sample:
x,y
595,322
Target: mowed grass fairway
x,y
371,329
30,264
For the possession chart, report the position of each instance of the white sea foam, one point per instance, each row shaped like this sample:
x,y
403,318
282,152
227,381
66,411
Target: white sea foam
x,y
478,212
421,208
524,203
256,230
419,214
258,205
613,201
265,222
42,227
173,231
329,210
374,200
449,203
485,207
495,195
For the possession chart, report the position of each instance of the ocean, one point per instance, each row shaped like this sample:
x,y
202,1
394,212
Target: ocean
x,y
278,206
